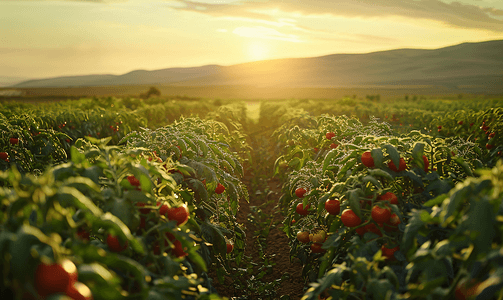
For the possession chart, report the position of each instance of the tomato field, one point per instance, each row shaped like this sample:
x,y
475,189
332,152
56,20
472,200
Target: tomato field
x,y
108,198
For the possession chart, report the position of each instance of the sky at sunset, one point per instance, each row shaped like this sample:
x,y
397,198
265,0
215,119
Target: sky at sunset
x,y
58,38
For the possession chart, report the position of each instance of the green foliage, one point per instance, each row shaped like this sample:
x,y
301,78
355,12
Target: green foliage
x,y
93,193
432,167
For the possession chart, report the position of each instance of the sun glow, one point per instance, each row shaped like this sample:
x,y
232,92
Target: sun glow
x,y
258,50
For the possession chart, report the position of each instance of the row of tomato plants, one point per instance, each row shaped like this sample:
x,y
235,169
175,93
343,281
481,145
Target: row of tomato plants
x,y
34,137
478,121
378,216
142,220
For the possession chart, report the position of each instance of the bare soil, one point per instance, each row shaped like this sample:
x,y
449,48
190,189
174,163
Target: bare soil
x,y
277,245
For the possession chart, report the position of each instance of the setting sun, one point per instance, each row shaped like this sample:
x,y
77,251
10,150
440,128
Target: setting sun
x,y
258,50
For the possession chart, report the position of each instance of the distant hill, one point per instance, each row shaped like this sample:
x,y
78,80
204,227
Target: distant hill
x,y
473,67
8,81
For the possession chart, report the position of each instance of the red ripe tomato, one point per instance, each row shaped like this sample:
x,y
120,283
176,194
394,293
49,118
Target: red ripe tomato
x,y
465,291
179,214
439,127
362,230
367,159
300,192
389,196
14,141
301,210
83,234
388,253
79,291
179,250
392,224
303,237
380,215
460,122
333,145
133,181
402,166
230,247
114,244
219,189
316,248
350,219
55,278
329,135
489,146
426,163
164,209
333,206
4,155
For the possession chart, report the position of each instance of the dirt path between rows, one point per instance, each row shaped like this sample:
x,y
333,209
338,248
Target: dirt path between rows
x,y
263,247
277,249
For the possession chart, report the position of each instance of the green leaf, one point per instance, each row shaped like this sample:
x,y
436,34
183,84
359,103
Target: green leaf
x,y
346,167
212,234
481,222
354,201
143,176
186,170
373,180
380,173
200,192
97,273
328,158
411,230
295,163
71,196
393,153
111,223
377,155
417,154
22,262
463,165
276,165
436,201
76,156
203,147
124,210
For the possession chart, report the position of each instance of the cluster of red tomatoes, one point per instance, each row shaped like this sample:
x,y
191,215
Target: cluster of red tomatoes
x,y
4,155
329,136
179,214
368,161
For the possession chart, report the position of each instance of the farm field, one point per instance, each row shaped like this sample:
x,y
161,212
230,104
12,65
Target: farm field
x,y
199,197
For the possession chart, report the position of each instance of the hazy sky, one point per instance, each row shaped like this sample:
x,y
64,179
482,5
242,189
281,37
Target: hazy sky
x,y
57,38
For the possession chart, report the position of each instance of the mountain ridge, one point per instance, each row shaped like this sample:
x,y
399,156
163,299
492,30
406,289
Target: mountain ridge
x,y
458,65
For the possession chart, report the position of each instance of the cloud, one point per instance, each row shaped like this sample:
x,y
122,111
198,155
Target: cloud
x,y
265,33
454,14
494,11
